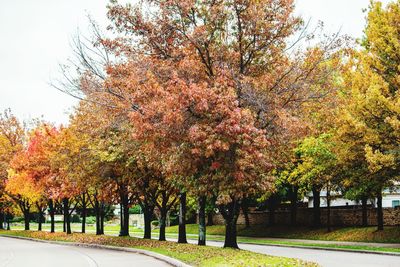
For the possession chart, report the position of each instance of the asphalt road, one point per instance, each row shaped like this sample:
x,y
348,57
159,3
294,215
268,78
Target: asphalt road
x,y
322,257
21,253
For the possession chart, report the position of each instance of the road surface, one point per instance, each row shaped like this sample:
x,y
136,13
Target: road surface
x,y
21,253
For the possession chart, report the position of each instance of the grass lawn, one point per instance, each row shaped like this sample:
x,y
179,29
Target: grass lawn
x,y
352,234
190,254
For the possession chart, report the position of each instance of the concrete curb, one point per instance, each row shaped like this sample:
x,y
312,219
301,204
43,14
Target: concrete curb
x,y
166,259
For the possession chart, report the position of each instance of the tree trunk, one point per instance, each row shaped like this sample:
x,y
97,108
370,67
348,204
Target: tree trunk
x,y
210,221
40,216
230,235
163,220
364,211
182,218
202,221
64,224
245,209
97,213
1,221
148,214
26,220
124,216
230,212
67,216
379,211
51,211
40,220
316,207
83,214
328,202
293,205
121,218
102,217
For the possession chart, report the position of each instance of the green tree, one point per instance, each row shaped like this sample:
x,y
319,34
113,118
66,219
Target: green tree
x,y
316,168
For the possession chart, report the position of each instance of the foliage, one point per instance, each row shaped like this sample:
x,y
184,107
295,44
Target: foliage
x,y
317,160
91,220
368,122
135,210
12,137
215,99
75,218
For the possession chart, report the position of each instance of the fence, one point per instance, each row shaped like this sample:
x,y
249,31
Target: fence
x,y
339,217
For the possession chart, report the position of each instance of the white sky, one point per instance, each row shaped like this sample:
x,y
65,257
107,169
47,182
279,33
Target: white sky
x,y
35,37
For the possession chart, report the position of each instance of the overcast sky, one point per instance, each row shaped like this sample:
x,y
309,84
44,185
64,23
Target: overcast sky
x,y
35,37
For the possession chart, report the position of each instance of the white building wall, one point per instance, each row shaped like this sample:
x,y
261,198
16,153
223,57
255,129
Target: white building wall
x,y
387,200
334,202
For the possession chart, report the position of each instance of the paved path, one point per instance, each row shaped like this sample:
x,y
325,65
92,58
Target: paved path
x,y
21,253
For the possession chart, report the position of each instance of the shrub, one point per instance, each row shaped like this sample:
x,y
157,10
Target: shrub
x,y
35,217
173,220
135,210
155,223
17,219
75,218
91,220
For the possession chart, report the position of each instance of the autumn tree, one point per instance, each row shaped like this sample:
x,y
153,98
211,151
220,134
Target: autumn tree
x,y
237,49
117,169
370,114
30,169
70,157
318,170
24,192
84,164
12,136
60,188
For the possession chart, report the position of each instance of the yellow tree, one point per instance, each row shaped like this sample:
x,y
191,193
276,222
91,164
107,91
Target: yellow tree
x,y
12,136
369,122
24,191
99,157
83,160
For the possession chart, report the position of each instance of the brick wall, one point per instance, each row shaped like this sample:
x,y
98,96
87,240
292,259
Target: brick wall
x,y
339,217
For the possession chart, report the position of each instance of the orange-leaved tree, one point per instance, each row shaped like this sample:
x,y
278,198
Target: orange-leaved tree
x,y
31,168
12,136
214,70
